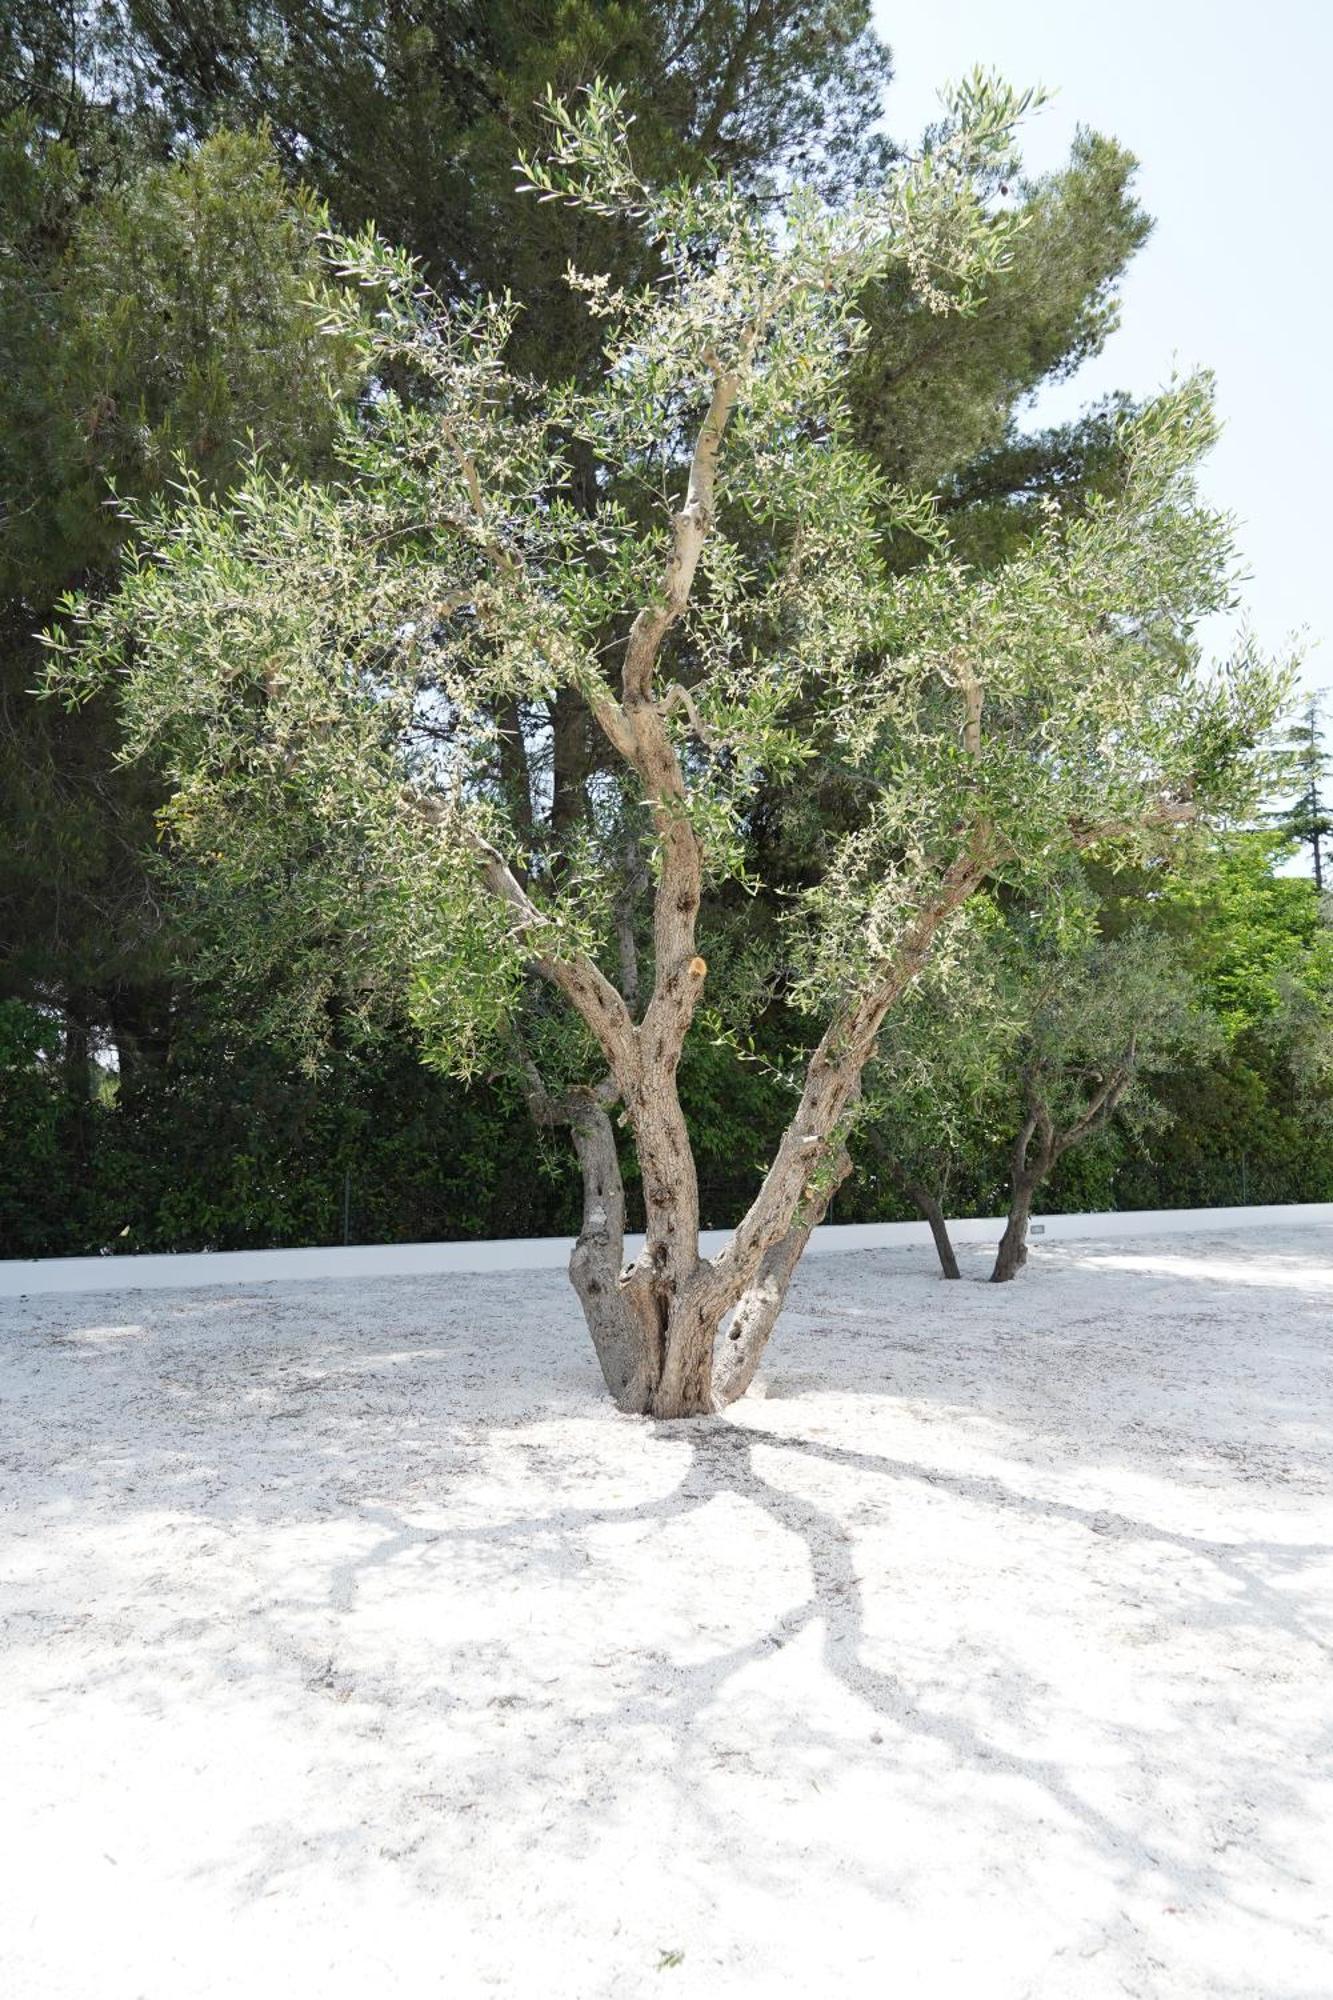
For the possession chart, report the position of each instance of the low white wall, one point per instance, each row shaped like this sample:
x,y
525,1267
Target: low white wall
x,y
21,1276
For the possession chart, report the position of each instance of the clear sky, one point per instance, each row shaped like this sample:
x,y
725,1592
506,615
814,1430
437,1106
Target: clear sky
x,y
1227,107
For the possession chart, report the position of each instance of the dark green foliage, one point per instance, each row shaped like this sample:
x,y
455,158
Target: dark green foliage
x,y
1252,1123
410,112
166,317
1256,1124
410,115
228,1146
170,316
374,1150
152,302
1240,1133
932,393
233,1145
35,1160
1305,776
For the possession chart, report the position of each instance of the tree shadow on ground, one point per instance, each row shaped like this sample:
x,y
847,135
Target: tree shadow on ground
x,y
729,1460
300,1436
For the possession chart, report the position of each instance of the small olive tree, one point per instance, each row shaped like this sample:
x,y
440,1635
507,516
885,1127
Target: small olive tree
x,y
1102,1024
341,683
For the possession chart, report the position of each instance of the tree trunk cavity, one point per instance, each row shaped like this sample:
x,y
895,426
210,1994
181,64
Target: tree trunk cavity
x,y
757,1312
657,1324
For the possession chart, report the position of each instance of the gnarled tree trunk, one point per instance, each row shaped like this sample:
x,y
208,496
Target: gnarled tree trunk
x,y
655,1324
626,1339
1029,1168
656,1329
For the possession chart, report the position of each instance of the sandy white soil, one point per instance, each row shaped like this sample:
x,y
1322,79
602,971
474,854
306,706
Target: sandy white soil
x,y
354,1646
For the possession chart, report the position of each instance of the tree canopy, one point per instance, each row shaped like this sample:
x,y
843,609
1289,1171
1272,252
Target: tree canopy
x,y
323,671
165,173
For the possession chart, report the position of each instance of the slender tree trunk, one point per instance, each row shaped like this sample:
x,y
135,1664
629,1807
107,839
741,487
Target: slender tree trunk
x,y
939,1229
668,1281
1026,1173
933,1212
1012,1253
624,1328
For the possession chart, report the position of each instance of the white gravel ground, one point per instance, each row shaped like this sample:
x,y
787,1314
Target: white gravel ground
x,y
356,1648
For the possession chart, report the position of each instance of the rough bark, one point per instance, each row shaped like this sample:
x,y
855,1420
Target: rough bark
x,y
668,1288
626,1341
656,1327
624,1337
939,1229
834,1076
1026,1171
808,1160
740,1352
807,1169
1012,1253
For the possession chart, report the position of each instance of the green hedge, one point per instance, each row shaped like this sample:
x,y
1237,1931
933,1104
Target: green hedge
x,y
228,1147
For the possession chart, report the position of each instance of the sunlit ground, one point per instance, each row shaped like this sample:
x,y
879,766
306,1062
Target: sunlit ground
x,y
354,1646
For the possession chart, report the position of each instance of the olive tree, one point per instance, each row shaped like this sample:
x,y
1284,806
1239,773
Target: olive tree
x,y
342,684
1103,1023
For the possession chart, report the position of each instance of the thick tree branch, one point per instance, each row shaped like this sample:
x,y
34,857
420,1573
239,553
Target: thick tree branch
x,y
636,727
627,1338
582,982
756,1315
834,1077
